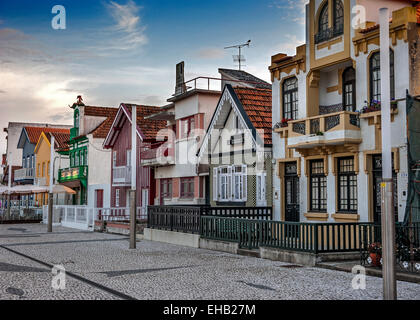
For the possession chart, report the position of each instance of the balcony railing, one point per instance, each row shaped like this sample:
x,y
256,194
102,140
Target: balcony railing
x,y
341,126
24,174
158,155
121,175
328,34
70,174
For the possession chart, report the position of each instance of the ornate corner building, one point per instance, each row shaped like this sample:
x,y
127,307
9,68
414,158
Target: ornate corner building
x,y
327,117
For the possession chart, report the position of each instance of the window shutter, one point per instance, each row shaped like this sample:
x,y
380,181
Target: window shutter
x,y
215,184
244,182
229,183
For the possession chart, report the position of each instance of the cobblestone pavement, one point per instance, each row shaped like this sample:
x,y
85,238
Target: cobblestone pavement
x,y
159,271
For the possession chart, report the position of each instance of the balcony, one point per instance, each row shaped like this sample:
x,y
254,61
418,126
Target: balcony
x,y
24,174
70,174
74,132
121,176
324,131
159,155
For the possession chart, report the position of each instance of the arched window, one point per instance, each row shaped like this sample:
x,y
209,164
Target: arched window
x,y
375,76
338,17
290,98
323,19
76,118
349,89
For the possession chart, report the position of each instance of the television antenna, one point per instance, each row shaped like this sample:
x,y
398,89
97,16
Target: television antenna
x,y
239,58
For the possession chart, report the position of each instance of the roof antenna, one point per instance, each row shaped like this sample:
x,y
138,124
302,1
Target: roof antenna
x,y
239,58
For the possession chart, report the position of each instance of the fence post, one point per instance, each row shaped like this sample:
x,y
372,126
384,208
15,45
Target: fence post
x,y
315,244
249,235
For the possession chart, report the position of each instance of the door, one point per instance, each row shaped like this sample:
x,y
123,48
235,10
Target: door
x,y
144,203
99,202
207,189
377,179
291,189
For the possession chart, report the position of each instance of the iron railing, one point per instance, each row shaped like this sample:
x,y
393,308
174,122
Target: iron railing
x,y
296,236
188,218
407,240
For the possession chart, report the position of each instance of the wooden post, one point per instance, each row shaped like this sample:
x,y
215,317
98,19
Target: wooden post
x,y
133,177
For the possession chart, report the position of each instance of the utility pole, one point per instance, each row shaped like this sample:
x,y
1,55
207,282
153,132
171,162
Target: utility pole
x,y
50,194
133,208
8,193
387,206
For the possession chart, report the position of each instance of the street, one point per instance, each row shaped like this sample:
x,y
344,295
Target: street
x,y
100,266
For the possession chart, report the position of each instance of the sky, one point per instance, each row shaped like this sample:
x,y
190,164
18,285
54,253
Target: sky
x,y
126,50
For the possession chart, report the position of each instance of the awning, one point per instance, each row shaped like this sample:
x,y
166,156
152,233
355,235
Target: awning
x,y
71,184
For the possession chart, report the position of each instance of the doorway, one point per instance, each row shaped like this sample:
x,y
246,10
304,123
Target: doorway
x,y
291,189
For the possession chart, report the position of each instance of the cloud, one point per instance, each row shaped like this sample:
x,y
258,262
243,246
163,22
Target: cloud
x,y
128,22
295,9
2,91
211,53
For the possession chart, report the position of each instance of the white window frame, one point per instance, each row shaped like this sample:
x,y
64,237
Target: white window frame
x,y
128,157
230,183
114,159
117,197
260,185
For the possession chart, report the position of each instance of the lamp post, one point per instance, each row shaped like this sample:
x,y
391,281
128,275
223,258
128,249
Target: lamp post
x,y
387,206
50,194
8,193
133,177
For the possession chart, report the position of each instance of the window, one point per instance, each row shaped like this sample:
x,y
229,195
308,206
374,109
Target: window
x,y
128,158
375,76
43,169
117,197
261,187
76,119
349,89
48,168
347,185
33,161
188,125
323,19
28,162
76,159
166,188
114,158
230,183
318,186
290,98
187,187
338,18
39,170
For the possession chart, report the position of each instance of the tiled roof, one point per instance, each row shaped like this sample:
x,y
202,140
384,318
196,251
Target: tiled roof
x,y
246,77
257,105
61,139
35,132
109,113
149,128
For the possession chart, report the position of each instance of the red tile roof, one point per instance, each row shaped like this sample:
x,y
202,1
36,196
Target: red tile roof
x,y
109,113
61,139
35,132
149,128
257,105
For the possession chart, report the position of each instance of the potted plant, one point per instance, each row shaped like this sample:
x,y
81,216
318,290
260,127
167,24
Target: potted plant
x,y
375,254
284,122
319,133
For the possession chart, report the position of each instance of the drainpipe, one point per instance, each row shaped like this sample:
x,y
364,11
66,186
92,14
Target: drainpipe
x,y
387,206
133,177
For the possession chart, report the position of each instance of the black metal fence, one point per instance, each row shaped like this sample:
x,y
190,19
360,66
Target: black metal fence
x,y
188,218
407,239
296,236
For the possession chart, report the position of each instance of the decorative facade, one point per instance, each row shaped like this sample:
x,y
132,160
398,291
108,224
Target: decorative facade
x,y
237,148
90,165
119,141
326,114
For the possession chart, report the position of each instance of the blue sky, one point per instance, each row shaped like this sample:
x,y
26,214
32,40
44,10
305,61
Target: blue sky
x,y
126,50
